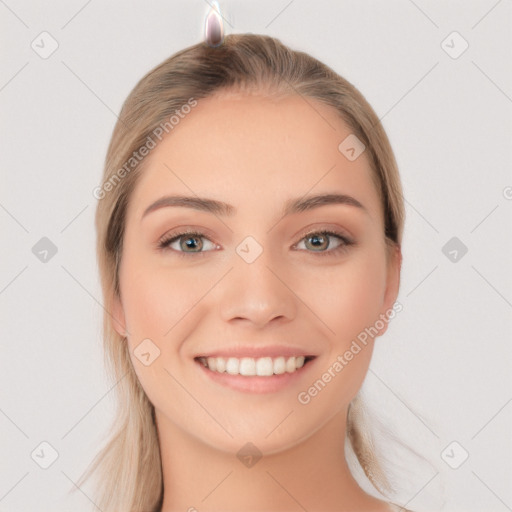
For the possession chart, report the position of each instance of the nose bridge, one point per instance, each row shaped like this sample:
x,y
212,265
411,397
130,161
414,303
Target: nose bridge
x,y
255,290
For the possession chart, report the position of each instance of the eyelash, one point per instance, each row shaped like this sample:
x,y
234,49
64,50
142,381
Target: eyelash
x,y
166,240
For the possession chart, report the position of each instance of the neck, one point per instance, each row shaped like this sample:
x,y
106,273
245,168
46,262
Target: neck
x,y
313,475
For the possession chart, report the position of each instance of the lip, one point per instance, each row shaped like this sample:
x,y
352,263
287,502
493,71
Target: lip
x,y
255,352
255,384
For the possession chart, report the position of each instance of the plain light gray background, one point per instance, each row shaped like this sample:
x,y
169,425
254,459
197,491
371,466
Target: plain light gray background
x,y
441,374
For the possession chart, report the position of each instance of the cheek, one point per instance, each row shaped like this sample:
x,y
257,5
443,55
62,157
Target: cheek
x,y
157,297
347,298
161,304
156,302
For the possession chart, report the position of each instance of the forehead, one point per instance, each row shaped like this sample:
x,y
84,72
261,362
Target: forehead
x,y
252,149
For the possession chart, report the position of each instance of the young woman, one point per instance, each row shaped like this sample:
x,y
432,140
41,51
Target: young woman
x,y
249,225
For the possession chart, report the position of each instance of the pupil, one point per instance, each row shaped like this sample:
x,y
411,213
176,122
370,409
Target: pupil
x,y
316,239
191,241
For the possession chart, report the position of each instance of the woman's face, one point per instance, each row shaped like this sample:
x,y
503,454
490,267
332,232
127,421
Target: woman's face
x,y
259,284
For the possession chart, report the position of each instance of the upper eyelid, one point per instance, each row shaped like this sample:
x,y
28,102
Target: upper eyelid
x,y
334,231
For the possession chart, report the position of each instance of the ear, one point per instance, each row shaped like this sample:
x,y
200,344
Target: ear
x,y
394,266
118,321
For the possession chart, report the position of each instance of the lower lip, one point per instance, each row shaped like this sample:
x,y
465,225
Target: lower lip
x,y
256,384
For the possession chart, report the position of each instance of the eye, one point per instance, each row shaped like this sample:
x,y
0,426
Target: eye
x,y
185,240
320,242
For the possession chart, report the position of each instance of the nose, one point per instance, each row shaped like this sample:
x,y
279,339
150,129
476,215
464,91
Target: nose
x,y
257,293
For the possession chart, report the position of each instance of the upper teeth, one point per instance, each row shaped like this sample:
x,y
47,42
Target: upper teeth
x,y
263,366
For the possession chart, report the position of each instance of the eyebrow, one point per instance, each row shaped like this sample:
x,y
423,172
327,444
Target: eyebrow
x,y
292,206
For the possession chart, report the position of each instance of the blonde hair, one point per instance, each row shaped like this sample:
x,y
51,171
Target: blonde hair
x,y
128,468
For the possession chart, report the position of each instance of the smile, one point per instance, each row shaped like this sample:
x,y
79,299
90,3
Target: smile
x,y
250,366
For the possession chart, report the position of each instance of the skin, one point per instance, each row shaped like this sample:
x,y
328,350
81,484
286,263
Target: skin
x,y
255,152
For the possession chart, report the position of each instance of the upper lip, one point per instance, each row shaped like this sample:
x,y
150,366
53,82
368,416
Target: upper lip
x,y
256,352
